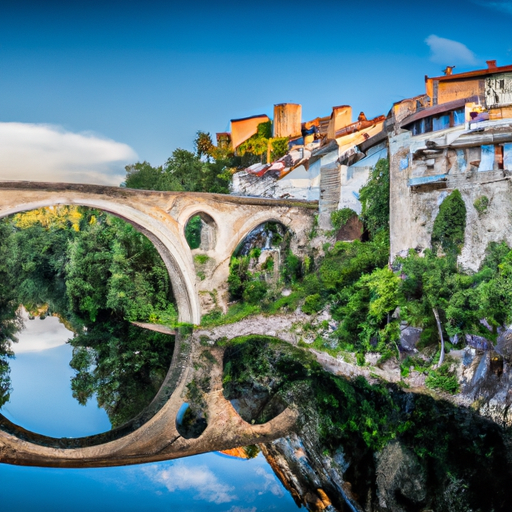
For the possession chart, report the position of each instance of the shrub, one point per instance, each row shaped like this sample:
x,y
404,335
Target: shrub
x,y
201,259
340,217
450,224
442,380
312,304
481,205
254,292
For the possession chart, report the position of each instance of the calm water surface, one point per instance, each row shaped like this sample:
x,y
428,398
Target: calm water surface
x,y
41,401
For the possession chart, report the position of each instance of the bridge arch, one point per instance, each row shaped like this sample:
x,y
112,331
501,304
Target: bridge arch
x,y
161,216
209,229
169,245
250,225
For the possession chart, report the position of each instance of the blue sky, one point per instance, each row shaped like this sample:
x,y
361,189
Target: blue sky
x,y
135,80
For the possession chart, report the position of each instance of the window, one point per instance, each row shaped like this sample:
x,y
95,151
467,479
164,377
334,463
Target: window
x,y
439,122
459,117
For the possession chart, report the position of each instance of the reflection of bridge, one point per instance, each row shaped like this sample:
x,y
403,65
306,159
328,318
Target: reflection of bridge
x,y
162,217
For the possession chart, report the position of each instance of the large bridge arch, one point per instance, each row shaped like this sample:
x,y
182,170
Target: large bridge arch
x,y
167,242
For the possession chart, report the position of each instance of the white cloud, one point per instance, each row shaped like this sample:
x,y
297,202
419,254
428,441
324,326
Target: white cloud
x,y
180,477
448,52
41,152
240,509
505,7
270,482
39,335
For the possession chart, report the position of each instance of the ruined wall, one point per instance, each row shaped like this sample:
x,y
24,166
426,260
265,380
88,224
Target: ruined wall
x,y
425,169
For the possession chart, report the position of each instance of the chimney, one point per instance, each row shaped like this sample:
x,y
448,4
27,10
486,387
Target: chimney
x,y
287,120
491,64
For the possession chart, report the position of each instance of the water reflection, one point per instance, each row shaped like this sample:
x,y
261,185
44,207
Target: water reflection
x,y
204,482
42,401
41,398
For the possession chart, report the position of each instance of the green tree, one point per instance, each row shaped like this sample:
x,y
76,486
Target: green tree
x,y
427,288
450,224
143,176
203,145
374,197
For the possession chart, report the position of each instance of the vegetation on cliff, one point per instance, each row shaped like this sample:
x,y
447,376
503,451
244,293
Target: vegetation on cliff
x,y
368,299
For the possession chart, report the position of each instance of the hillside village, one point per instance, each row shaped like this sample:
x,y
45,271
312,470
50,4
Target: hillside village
x,y
455,135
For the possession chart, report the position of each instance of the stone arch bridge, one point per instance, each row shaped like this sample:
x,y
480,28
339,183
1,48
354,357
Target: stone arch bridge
x,y
162,217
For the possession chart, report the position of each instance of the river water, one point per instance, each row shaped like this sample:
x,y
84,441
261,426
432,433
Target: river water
x,y
41,401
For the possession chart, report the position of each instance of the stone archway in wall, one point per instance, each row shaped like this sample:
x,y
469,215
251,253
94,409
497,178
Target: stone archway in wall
x,y
168,243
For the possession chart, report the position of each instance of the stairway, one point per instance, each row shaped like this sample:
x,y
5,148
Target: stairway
x,y
330,190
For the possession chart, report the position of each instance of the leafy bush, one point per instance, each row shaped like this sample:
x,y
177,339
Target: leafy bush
x,y
279,147
340,217
201,259
312,304
442,380
450,224
292,268
254,292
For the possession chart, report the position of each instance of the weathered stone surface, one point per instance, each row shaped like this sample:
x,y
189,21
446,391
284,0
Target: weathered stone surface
x,y
399,473
162,217
504,344
409,338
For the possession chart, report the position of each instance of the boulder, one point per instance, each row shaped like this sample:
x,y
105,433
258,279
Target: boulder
x,y
504,344
409,338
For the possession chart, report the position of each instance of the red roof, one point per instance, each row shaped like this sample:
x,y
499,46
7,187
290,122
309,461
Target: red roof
x,y
471,74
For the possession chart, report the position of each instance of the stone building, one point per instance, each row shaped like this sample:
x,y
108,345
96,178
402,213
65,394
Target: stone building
x,y
326,161
456,136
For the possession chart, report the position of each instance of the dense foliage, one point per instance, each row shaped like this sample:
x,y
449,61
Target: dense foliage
x,y
206,170
450,224
97,273
256,147
340,217
374,197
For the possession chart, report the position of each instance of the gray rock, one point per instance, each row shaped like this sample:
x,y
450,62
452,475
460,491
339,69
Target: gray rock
x,y
478,342
504,344
399,473
409,338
